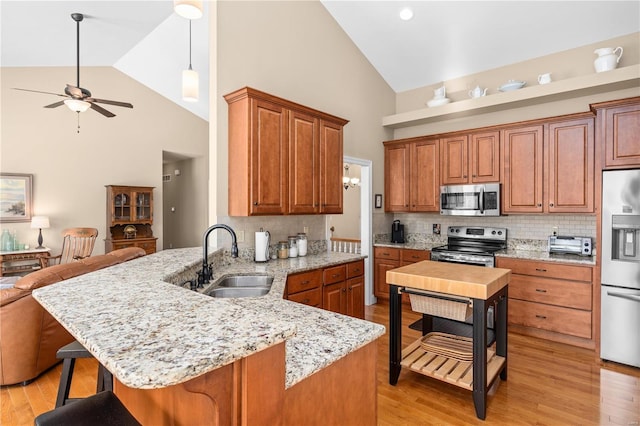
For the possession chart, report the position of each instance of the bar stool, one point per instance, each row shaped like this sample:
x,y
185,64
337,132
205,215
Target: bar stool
x,y
103,408
69,353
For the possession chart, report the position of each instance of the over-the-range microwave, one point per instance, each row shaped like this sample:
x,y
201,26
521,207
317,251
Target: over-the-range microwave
x,y
470,200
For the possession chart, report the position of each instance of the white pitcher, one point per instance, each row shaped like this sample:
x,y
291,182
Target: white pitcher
x,y
477,92
607,59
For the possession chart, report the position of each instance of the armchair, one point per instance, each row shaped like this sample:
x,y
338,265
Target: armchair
x,y
77,244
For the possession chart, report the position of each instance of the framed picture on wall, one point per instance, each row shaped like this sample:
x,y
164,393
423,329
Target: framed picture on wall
x,y
15,197
378,202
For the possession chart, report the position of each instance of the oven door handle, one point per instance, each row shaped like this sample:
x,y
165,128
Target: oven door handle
x,y
631,297
481,201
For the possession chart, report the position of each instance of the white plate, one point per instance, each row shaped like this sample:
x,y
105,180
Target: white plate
x,y
438,102
512,85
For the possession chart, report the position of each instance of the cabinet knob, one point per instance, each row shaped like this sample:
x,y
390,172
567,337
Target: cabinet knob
x,y
344,290
539,205
305,282
541,316
541,270
550,204
540,290
255,203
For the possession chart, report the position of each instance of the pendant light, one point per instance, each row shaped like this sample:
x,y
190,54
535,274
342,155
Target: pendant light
x,y
190,81
190,9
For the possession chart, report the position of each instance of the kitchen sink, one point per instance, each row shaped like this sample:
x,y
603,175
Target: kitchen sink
x,y
242,286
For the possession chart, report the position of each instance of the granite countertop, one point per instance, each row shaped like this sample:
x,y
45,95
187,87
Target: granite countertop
x,y
150,332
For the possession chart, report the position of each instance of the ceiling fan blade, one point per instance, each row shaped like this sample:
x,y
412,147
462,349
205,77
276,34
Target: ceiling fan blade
x,y
105,101
55,105
40,91
101,110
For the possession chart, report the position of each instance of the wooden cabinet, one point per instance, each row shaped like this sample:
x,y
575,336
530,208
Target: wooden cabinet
x,y
549,168
473,158
129,218
284,158
387,258
306,288
412,175
551,300
409,256
343,290
618,127
21,262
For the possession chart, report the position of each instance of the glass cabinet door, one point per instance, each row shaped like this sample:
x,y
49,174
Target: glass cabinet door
x,y
122,206
143,205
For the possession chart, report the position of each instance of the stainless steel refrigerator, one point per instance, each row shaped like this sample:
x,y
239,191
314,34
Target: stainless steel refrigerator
x,y
620,275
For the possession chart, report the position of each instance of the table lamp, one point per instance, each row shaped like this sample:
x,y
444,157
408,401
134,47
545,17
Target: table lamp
x,y
40,222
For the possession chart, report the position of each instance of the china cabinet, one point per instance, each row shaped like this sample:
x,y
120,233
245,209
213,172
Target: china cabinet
x,y
129,218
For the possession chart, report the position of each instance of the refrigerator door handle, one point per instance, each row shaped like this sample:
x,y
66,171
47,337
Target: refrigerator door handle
x,y
631,297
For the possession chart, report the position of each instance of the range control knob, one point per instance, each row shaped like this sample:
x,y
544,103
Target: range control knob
x,y
499,232
493,232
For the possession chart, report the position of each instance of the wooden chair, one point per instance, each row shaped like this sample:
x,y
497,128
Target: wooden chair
x,y
77,244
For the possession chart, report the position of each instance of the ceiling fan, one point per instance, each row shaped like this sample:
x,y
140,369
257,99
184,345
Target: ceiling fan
x,y
79,98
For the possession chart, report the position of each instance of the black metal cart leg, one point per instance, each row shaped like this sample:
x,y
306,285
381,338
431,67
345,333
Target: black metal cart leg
x,y
480,357
395,334
501,331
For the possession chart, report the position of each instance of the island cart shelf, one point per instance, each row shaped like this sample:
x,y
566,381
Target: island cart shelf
x,y
484,287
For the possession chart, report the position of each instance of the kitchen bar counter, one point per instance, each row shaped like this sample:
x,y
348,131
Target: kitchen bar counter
x,y
484,286
151,333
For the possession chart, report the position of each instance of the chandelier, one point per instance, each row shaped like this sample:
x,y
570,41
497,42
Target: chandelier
x,y
348,181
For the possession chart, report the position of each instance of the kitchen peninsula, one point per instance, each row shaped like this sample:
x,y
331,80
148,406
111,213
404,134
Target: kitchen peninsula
x,y
181,353
441,281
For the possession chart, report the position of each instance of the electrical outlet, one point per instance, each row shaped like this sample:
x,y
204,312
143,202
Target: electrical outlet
x,y
554,231
305,229
241,236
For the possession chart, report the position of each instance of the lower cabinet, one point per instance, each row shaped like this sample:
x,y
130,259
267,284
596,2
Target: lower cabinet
x,y
387,258
148,244
551,300
337,289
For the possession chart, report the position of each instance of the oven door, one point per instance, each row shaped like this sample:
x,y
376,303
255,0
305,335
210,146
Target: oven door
x,y
470,200
466,259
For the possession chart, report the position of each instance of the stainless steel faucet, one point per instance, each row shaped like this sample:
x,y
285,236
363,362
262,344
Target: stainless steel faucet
x,y
205,275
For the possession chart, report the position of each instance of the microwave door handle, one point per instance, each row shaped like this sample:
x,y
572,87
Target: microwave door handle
x,y
481,201
631,297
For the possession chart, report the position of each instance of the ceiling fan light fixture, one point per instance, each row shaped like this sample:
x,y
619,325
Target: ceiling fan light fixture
x,y
190,85
406,14
190,9
77,105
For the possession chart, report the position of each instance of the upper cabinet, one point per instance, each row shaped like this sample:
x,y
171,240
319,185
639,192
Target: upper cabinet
x,y
284,158
473,158
412,175
618,124
549,168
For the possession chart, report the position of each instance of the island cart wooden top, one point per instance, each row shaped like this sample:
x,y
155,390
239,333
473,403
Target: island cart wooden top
x,y
477,282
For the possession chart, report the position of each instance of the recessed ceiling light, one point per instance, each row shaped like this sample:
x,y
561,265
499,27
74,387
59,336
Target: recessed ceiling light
x,y
406,14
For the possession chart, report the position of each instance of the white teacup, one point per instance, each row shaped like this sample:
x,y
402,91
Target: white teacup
x,y
544,78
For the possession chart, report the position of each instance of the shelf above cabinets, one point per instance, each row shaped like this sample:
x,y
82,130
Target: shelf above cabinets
x,y
618,79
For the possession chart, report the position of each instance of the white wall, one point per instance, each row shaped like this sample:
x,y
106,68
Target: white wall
x,y
71,169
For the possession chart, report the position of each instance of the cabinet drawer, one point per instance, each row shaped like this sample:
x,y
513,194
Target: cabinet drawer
x,y
572,294
386,253
355,269
335,274
569,321
546,269
311,297
411,255
304,281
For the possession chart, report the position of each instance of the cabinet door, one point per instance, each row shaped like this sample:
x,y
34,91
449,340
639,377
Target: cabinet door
x,y
143,212
335,297
570,167
522,164
396,178
425,176
355,297
121,202
621,129
268,158
330,168
454,160
381,289
304,163
485,157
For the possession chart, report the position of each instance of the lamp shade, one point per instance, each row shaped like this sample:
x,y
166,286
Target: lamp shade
x,y
190,85
190,9
77,105
40,222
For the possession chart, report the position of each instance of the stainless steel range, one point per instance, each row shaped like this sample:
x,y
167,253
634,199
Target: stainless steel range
x,y
471,245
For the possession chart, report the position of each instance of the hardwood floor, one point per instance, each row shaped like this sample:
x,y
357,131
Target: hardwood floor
x,y
548,384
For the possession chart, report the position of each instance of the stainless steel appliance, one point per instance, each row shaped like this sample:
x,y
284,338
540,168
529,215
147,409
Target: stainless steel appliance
x,y
620,271
470,200
471,245
570,245
397,232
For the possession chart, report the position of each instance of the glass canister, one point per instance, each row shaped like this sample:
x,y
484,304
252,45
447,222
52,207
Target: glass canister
x,y
293,246
283,250
7,241
302,244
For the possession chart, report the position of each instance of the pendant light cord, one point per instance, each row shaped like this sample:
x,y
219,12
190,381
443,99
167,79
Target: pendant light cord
x,y
78,53
190,44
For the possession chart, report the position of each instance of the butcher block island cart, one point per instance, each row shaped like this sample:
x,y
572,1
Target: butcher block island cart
x,y
446,290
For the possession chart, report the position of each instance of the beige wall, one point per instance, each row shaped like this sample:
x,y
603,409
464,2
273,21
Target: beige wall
x,y
295,50
71,169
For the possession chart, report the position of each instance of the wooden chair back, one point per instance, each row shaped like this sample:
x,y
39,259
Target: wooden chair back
x,y
77,244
